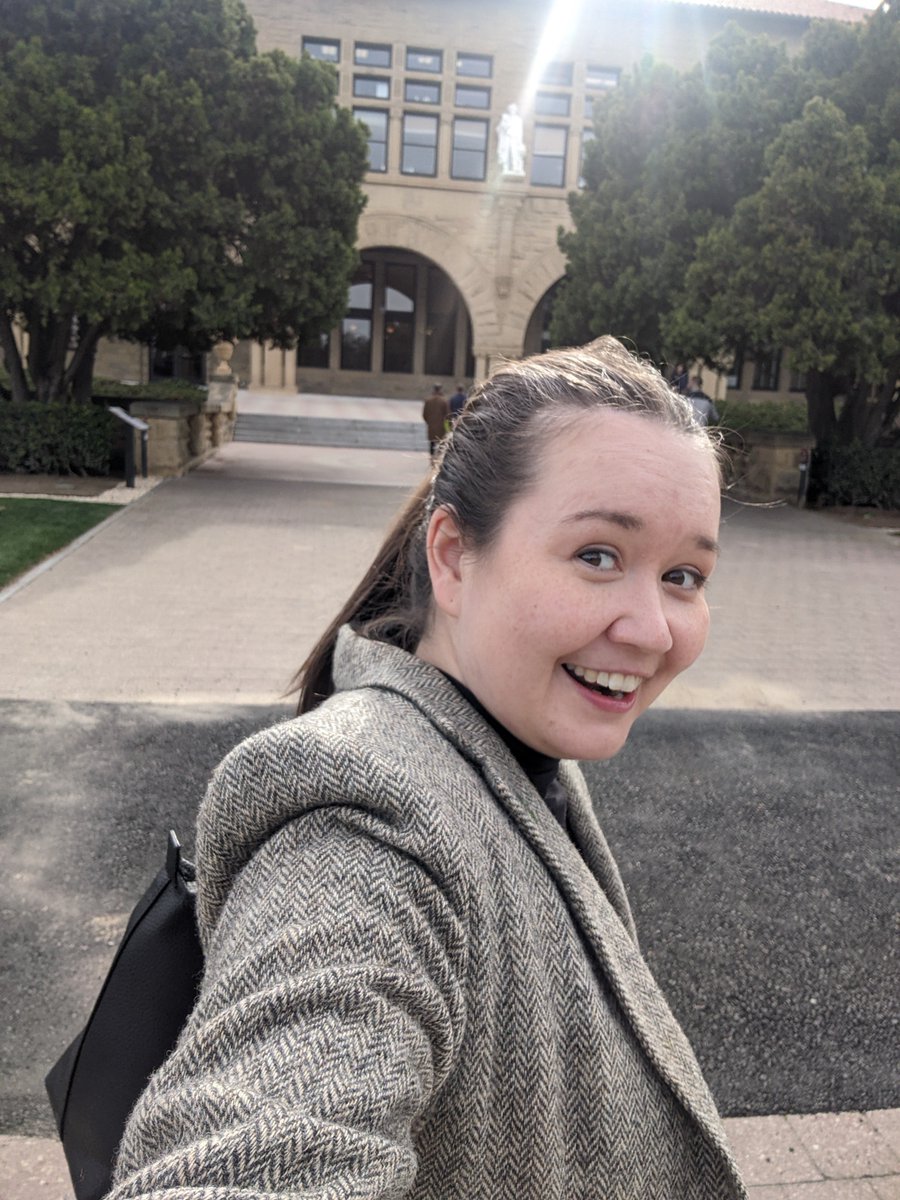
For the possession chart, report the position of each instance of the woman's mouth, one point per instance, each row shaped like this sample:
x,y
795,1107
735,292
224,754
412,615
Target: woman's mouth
x,y
613,684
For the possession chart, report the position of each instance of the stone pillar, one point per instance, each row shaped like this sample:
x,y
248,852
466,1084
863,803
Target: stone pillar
x,y
220,411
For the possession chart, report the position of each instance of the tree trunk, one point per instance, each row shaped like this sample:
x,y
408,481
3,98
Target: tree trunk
x,y
48,348
821,389
884,411
81,368
13,359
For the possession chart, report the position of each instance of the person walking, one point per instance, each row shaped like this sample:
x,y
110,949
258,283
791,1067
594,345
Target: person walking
x,y
705,411
457,403
435,412
422,973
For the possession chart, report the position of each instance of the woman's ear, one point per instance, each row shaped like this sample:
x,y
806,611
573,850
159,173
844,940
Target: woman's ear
x,y
444,547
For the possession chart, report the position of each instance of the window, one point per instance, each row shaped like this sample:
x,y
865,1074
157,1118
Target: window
x,y
356,327
441,308
323,49
602,78
798,380
370,54
399,317
587,135
766,369
376,119
420,134
558,74
472,97
480,65
470,139
425,60
417,92
313,352
733,378
548,162
589,108
374,87
552,104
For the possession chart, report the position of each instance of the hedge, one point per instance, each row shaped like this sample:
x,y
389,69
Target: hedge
x,y
55,439
776,416
856,474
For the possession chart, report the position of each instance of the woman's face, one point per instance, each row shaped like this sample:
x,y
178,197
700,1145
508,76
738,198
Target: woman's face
x,y
590,600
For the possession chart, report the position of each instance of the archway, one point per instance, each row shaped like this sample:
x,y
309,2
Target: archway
x,y
406,327
537,332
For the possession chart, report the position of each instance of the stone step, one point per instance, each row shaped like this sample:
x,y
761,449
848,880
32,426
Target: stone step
x,y
330,431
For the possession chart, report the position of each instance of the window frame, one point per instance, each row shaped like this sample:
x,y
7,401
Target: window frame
x,y
467,87
419,116
357,46
423,52
599,84
766,367
484,58
558,74
306,42
381,112
454,149
424,83
376,79
565,97
535,155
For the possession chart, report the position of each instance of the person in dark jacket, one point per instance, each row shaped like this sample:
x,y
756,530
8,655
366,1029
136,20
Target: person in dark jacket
x,y
422,973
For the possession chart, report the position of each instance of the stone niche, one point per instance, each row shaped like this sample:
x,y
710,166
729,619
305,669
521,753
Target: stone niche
x,y
767,466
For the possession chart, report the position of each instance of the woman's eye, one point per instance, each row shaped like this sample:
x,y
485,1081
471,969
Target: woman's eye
x,y
686,578
603,560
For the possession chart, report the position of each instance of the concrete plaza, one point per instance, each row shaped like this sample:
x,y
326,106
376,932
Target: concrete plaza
x,y
191,609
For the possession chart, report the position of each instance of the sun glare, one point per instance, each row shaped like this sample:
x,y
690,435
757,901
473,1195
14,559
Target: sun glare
x,y
562,17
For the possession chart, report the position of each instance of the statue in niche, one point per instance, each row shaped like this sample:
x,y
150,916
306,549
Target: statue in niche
x,y
511,142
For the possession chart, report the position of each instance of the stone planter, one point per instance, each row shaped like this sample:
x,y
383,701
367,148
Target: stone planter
x,y
767,466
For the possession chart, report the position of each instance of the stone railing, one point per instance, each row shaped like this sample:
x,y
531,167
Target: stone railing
x,y
185,432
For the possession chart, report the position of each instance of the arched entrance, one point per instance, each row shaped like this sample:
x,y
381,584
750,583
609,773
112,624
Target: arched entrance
x,y
406,328
537,333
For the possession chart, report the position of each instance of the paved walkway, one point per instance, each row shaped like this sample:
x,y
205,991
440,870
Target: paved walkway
x,y
212,587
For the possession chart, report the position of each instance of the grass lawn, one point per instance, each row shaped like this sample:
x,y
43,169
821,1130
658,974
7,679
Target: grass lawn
x,y
30,530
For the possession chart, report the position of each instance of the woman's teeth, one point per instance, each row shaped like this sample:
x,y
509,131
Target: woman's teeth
x,y
613,682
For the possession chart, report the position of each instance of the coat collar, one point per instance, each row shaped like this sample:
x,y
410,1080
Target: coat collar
x,y
586,876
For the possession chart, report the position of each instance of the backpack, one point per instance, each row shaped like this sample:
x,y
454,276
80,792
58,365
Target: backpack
x,y
146,998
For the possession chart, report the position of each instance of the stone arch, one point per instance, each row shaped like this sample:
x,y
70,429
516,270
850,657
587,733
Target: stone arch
x,y
422,237
533,281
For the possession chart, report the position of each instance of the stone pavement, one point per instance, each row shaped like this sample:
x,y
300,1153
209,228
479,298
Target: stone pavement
x,y
211,588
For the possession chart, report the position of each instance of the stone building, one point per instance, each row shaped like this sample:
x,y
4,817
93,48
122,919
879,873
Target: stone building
x,y
459,255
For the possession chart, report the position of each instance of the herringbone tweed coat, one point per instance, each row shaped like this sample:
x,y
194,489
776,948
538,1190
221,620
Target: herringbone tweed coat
x,y
417,984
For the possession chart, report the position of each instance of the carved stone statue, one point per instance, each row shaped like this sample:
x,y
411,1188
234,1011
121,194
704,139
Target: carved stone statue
x,y
511,142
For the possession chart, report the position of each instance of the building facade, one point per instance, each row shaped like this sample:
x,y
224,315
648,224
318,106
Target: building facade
x,y
478,113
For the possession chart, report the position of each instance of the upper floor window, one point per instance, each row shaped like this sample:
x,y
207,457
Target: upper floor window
x,y
425,60
602,78
733,378
470,140
371,54
419,152
376,121
548,162
552,104
558,74
472,97
323,49
374,87
415,91
481,65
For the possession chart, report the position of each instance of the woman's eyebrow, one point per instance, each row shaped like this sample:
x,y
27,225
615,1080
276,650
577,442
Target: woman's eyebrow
x,y
630,521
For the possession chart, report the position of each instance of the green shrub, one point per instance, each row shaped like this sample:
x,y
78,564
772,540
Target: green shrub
x,y
857,474
55,439
775,416
171,389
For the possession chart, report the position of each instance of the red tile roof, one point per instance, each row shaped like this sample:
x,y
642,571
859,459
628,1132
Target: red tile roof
x,y
820,10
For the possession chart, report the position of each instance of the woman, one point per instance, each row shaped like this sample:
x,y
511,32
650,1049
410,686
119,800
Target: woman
x,y
422,974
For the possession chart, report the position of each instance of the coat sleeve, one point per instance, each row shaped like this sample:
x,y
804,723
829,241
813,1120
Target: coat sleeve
x,y
330,1015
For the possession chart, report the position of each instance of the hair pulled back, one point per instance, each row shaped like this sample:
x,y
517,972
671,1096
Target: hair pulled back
x,y
486,463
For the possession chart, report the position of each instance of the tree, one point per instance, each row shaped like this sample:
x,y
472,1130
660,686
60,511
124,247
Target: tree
x,y
811,259
769,213
160,179
672,155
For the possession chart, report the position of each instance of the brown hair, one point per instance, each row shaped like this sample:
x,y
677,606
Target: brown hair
x,y
483,465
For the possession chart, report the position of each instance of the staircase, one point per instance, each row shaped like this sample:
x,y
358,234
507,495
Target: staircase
x,y
285,429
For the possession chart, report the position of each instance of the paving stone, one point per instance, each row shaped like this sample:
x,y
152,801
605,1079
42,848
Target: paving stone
x,y
768,1151
846,1145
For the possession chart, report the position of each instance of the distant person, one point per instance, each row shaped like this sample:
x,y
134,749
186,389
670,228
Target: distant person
x,y
457,403
705,412
435,413
679,379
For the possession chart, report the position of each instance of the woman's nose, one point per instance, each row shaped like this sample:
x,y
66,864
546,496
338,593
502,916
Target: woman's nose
x,y
642,620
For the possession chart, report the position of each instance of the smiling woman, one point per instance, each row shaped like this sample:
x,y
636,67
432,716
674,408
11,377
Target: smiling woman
x,y
422,972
